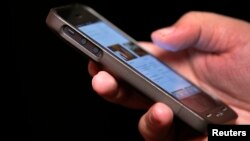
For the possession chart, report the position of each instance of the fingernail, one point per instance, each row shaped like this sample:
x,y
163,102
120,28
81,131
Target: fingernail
x,y
151,121
164,32
160,36
165,46
153,116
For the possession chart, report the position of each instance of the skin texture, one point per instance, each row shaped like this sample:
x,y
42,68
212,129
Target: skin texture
x,y
211,50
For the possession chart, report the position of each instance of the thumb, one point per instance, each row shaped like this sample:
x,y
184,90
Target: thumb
x,y
204,31
155,125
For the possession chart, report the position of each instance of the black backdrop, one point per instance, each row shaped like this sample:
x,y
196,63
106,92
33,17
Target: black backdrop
x,y
56,101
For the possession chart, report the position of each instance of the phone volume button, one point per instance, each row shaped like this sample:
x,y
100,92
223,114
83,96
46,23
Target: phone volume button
x,y
69,31
83,41
95,50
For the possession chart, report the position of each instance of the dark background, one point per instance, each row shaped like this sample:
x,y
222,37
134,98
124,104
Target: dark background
x,y
55,98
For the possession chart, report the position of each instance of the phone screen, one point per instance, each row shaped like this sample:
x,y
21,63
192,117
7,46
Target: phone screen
x,y
148,65
139,59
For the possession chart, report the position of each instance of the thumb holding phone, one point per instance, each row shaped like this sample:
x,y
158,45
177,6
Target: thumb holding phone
x,y
211,50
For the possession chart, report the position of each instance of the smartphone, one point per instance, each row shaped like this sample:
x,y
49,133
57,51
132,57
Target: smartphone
x,y
93,35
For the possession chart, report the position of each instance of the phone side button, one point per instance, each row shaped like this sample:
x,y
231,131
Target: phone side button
x,y
95,50
69,31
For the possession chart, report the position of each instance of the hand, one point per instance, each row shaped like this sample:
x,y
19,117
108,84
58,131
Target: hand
x,y
211,50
